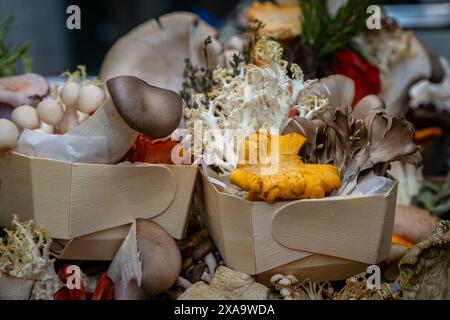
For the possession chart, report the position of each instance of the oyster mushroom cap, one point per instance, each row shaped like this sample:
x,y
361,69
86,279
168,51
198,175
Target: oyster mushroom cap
x,y
153,111
366,105
26,89
338,89
403,75
155,51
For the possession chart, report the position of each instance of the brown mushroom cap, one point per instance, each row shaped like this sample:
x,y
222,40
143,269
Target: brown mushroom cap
x,y
161,258
26,89
152,111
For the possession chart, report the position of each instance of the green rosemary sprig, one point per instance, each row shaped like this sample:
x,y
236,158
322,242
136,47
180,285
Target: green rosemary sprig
x,y
327,34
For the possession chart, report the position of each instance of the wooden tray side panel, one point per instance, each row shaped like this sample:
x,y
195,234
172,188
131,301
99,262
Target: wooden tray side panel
x,y
176,217
51,196
16,194
105,196
270,253
388,226
35,189
348,228
230,225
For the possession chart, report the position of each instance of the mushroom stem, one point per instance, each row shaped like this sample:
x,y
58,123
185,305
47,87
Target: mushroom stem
x,y
206,277
211,263
183,283
70,120
107,122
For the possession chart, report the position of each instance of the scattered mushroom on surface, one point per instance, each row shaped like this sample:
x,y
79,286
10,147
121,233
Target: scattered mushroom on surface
x,y
161,258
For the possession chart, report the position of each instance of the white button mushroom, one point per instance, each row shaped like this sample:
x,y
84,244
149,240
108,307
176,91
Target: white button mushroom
x,y
25,117
8,134
69,93
50,111
90,98
45,128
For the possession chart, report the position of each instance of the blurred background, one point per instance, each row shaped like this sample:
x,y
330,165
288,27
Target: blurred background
x,y
54,48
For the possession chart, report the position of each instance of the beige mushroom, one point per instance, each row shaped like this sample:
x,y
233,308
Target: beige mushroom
x,y
26,89
134,105
8,134
25,117
155,51
340,90
402,75
50,111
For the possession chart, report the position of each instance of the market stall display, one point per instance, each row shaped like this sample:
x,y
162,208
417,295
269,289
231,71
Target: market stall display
x,y
266,167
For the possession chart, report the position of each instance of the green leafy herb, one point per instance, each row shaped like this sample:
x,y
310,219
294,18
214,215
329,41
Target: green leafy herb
x,y
327,34
9,55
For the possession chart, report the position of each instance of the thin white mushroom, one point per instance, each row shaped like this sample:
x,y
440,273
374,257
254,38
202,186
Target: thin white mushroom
x,y
211,263
25,117
8,134
183,283
50,111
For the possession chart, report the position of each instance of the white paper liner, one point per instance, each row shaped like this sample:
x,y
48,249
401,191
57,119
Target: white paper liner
x,y
65,148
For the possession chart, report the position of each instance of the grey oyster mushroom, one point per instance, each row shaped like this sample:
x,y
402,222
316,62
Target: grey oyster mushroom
x,y
424,269
359,144
155,50
26,89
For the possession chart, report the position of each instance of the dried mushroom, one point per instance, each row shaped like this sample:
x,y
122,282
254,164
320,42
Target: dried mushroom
x,y
356,289
227,285
424,269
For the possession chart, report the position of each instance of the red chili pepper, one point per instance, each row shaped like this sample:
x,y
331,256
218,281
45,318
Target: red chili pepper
x,y
70,294
104,289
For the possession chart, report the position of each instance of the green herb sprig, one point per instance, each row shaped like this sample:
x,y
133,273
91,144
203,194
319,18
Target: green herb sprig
x,y
197,80
9,55
326,34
